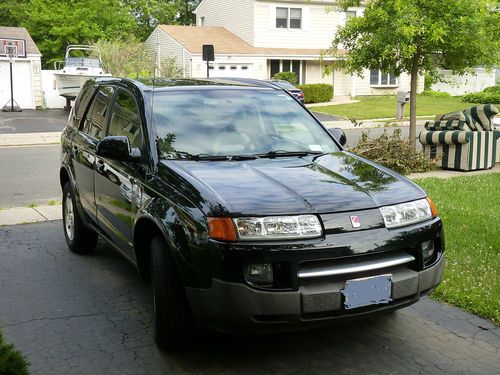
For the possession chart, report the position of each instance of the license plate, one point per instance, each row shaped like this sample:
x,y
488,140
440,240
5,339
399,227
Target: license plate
x,y
367,291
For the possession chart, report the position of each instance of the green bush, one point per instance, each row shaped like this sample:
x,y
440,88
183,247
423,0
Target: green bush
x,y
492,89
435,94
482,98
393,152
12,362
317,93
286,76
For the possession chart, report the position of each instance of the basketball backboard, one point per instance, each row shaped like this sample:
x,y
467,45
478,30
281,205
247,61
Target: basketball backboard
x,y
12,48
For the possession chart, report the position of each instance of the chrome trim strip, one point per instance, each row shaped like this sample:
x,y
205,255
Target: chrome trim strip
x,y
365,266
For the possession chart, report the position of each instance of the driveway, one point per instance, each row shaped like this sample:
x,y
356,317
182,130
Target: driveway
x,y
74,314
31,121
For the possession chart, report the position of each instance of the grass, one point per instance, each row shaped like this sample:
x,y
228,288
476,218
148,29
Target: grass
x,y
470,210
32,205
12,362
372,107
53,203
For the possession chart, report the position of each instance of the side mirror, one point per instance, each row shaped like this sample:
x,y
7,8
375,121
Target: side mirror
x,y
339,135
117,148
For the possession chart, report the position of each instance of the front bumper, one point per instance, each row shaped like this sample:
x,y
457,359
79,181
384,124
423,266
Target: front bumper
x,y
236,307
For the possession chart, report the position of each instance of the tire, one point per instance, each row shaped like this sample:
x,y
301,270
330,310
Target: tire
x,y
173,320
79,238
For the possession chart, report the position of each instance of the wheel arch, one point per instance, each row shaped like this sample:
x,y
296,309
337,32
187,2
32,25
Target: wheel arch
x,y
145,229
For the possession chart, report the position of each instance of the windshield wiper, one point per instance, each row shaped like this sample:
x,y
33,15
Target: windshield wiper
x,y
283,153
187,155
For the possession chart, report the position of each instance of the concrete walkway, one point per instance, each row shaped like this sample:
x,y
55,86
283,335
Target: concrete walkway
x,y
29,139
23,215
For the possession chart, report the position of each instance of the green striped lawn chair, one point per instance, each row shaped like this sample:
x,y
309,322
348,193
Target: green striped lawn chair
x,y
463,140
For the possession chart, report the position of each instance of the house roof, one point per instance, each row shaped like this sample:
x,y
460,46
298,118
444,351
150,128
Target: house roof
x,y
225,42
20,33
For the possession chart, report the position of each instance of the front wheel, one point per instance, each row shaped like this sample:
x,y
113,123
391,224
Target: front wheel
x,y
79,238
173,320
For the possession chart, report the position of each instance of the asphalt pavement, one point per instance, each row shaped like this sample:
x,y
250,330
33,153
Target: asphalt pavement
x,y
31,121
29,175
78,315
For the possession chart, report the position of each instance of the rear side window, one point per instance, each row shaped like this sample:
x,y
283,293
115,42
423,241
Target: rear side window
x,y
95,122
82,102
125,118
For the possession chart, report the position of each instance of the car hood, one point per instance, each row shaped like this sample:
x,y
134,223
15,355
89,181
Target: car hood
x,y
290,185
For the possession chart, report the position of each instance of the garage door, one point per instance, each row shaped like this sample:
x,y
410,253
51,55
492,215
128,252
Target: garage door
x,y
23,84
232,70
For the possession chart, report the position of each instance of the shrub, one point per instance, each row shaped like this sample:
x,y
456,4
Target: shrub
x,y
492,89
317,93
287,76
482,98
12,362
393,152
435,94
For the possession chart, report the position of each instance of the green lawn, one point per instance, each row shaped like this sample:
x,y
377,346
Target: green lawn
x,y
470,210
371,107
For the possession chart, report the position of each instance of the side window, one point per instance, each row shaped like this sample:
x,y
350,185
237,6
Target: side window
x,y
125,118
95,124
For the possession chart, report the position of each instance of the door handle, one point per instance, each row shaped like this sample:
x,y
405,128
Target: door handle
x,y
99,165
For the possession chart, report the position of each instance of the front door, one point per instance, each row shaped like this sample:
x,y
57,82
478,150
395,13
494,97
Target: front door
x,y
117,193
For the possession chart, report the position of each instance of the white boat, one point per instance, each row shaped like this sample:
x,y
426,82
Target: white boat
x,y
74,71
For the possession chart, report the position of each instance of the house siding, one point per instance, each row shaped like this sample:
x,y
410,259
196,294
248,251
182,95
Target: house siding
x,y
169,48
236,16
318,26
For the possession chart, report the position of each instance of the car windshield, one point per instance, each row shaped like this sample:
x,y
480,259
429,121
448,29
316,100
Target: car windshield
x,y
234,121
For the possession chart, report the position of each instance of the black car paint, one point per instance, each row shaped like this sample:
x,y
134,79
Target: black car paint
x,y
176,197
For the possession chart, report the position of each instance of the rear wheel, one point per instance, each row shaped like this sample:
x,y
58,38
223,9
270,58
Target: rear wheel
x,y
79,238
173,319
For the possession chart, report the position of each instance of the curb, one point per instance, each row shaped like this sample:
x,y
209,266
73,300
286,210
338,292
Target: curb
x,y
29,139
25,215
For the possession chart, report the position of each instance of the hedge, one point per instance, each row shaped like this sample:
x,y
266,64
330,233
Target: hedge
x,y
317,93
482,98
287,76
492,89
435,94
12,362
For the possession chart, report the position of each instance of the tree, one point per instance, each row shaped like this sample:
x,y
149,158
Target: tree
x,y
415,36
150,13
185,9
54,24
129,58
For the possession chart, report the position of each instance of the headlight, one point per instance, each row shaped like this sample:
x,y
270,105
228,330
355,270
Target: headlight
x,y
278,227
407,213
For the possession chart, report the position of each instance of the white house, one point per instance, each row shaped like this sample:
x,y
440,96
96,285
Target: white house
x,y
26,72
258,38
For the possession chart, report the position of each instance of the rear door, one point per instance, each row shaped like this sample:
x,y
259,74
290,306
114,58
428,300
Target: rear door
x,y
91,131
116,189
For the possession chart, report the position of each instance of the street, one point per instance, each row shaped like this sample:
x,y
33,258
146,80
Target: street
x,y
73,314
29,175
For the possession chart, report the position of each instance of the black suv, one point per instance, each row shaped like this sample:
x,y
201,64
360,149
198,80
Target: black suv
x,y
244,212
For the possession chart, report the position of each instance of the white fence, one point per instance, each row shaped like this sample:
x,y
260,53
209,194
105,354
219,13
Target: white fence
x,y
51,98
460,85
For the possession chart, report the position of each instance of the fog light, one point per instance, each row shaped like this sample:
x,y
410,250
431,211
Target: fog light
x,y
427,249
261,274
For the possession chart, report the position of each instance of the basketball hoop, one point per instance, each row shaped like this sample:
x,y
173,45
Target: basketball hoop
x,y
11,52
12,49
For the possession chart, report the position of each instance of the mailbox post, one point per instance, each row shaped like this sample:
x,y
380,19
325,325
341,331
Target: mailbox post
x,y
403,98
208,55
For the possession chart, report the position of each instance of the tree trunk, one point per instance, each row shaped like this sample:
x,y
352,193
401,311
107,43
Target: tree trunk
x,y
413,101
